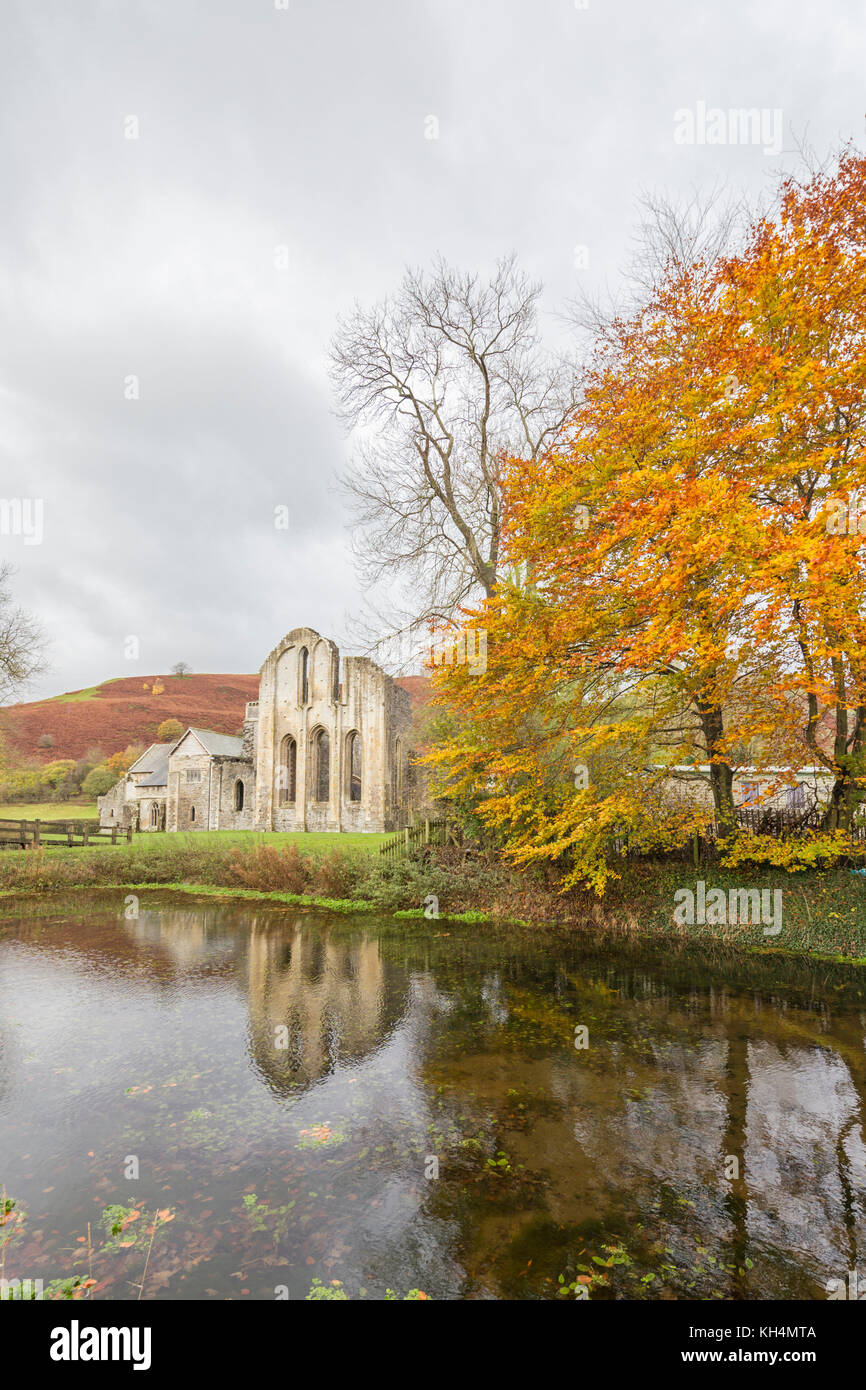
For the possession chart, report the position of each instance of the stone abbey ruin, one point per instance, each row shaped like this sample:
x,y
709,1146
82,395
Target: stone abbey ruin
x,y
327,746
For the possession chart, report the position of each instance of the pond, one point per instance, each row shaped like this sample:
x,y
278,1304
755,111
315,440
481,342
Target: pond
x,y
235,1101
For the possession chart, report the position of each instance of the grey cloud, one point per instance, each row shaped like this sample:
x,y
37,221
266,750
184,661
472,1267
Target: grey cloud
x,y
304,129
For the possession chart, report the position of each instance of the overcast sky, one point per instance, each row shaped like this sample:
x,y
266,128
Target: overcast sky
x,y
306,128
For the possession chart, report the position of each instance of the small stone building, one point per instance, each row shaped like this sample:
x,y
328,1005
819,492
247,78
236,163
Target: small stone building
x,y
324,747
139,798
210,783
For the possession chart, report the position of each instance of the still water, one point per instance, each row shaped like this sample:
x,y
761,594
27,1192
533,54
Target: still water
x,y
261,1099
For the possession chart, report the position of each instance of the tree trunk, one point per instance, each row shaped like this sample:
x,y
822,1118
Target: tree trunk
x,y
847,790
721,773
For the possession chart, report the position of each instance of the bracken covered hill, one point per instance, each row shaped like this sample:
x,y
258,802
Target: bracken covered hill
x,y
119,712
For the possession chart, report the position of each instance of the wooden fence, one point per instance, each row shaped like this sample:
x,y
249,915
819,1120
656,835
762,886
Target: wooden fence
x,y
414,837
701,848
24,834
777,820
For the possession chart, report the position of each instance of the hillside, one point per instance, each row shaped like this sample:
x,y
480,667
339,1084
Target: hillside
x,y
119,712
123,711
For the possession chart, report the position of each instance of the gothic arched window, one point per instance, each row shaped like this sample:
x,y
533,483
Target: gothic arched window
x,y
288,773
353,766
322,766
397,773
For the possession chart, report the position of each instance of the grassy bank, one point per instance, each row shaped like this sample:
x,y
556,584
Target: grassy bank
x,y
822,913
306,841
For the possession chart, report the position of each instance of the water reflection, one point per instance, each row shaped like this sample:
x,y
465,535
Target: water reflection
x,y
709,1141
314,1001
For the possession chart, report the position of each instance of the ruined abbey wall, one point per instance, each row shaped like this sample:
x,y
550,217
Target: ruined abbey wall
x,y
330,754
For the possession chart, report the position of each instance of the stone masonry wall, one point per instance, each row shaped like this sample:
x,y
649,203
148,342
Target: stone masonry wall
x,y
365,702
189,790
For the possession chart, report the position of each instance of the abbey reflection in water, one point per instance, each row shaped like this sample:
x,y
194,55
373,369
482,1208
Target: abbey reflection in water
x,y
314,998
718,1110
748,1111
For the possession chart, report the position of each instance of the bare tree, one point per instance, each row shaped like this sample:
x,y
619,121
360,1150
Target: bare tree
x,y
181,668
22,644
441,380
672,234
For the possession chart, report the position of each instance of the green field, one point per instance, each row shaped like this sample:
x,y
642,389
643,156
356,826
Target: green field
x,y
74,697
49,810
316,842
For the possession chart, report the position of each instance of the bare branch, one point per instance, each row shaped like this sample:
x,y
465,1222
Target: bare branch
x,y
440,381
22,644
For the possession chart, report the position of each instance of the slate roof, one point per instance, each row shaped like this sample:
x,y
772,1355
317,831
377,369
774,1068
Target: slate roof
x,y
218,745
154,761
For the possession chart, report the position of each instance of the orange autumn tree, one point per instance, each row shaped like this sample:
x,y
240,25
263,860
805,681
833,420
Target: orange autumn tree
x,y
682,602
613,663
798,364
